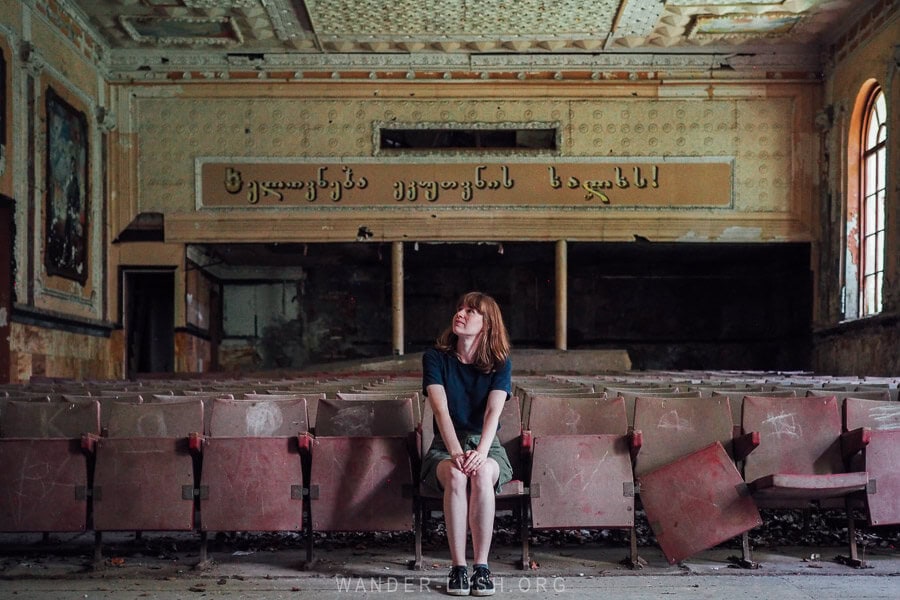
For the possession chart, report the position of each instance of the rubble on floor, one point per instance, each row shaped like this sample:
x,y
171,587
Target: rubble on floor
x,y
780,529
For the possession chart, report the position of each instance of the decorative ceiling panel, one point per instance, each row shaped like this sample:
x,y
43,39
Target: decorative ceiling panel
x,y
639,19
438,19
732,25
213,32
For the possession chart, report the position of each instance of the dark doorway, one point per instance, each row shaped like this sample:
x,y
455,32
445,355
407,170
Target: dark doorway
x,y
7,281
149,311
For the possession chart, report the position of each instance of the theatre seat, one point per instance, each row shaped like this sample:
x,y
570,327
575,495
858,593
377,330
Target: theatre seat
x,y
44,473
691,490
581,475
252,472
674,427
206,398
106,401
361,474
792,452
146,473
374,394
528,396
736,399
879,457
631,397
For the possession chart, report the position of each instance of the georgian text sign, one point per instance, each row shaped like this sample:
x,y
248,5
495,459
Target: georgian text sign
x,y
498,183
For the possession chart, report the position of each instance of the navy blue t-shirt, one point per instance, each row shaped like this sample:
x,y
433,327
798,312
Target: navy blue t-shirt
x,y
467,387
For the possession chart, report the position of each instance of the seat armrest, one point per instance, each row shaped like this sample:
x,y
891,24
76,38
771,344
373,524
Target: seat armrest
x,y
304,441
745,444
196,441
854,441
635,441
527,443
89,442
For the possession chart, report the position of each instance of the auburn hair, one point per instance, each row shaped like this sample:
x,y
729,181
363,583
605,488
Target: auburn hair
x,y
492,346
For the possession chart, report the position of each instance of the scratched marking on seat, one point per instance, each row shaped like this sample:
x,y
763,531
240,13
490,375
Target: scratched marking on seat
x,y
699,500
671,420
578,474
886,418
152,425
353,420
40,420
263,419
571,420
784,424
38,471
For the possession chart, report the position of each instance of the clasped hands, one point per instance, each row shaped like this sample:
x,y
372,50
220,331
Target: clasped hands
x,y
469,462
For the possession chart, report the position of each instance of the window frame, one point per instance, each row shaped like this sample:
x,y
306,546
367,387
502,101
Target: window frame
x,y
871,240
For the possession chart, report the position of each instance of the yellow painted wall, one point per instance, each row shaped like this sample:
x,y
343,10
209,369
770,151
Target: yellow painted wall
x,y
766,128
10,15
51,310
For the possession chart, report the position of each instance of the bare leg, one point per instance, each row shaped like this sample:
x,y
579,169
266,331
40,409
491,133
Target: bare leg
x,y
455,484
482,506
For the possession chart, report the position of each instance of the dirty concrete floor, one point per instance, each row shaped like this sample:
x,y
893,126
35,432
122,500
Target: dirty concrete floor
x,y
272,566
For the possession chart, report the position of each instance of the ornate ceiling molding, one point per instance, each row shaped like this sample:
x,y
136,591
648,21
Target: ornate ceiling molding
x,y
639,20
308,37
74,25
157,66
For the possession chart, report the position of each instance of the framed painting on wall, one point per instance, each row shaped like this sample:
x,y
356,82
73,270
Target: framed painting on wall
x,y
66,207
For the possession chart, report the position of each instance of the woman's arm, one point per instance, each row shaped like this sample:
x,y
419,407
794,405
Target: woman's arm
x,y
437,397
495,402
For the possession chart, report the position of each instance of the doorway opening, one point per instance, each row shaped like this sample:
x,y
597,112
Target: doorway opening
x,y
149,321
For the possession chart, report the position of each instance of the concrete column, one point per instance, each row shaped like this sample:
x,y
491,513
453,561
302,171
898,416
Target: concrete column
x,y
562,280
397,296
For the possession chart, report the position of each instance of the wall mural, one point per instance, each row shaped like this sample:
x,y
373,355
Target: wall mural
x,y
67,190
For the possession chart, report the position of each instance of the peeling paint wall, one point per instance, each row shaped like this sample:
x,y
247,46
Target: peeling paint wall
x,y
864,348
57,306
842,343
40,351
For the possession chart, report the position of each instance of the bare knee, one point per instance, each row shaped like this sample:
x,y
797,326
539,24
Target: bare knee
x,y
452,479
484,480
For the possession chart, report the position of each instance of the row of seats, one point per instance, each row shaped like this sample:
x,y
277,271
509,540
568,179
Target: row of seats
x,y
254,465
771,448
302,457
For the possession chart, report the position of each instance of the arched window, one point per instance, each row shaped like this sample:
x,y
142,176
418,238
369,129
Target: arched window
x,y
872,193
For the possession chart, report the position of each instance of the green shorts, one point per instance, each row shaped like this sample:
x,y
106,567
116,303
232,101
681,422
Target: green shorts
x,y
469,441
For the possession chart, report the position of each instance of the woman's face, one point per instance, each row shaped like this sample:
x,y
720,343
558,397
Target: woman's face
x,y
467,321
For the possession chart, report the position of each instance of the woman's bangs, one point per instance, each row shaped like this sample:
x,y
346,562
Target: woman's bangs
x,y
474,301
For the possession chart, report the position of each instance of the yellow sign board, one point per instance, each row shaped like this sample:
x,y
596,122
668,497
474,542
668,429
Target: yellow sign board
x,y
684,183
